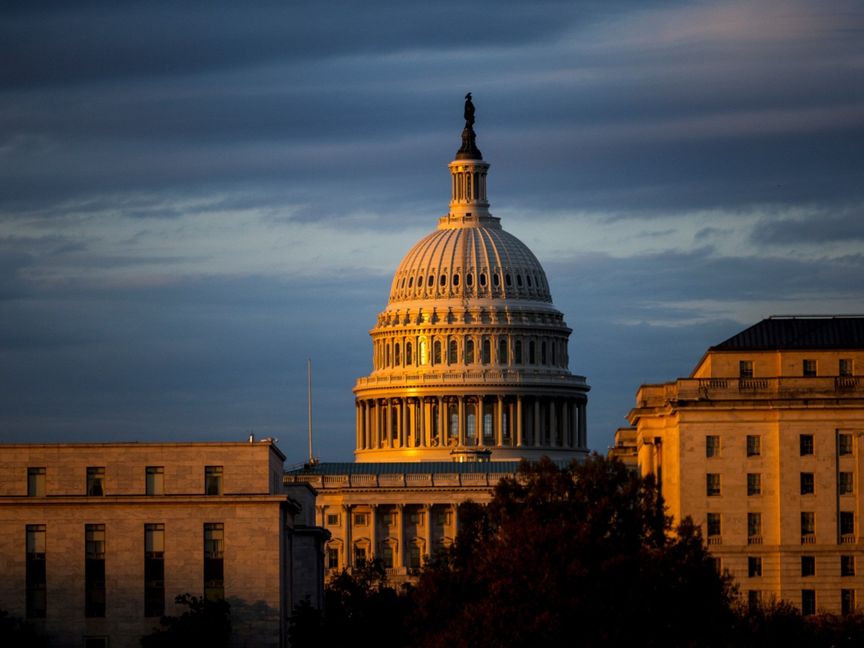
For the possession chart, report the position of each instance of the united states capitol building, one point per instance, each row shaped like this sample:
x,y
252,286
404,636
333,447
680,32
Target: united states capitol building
x,y
470,375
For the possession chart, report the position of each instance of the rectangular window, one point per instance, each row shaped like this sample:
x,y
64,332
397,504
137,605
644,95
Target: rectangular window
x,y
214,557
96,481
361,519
847,601
712,484
35,597
754,445
745,369
808,566
845,368
847,565
332,558
36,482
754,483
717,563
844,483
809,367
155,480
754,600
213,480
712,445
415,518
332,519
806,444
359,556
844,444
414,556
713,524
847,524
387,556
94,570
806,483
808,526
754,566
808,602
754,527
442,518
154,570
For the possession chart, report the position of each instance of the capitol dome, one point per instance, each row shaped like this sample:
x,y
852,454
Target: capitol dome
x,y
470,359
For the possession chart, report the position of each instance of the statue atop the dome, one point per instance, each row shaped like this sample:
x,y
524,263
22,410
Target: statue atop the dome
x,y
469,150
469,111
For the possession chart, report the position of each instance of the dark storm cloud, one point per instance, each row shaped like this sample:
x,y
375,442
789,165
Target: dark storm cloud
x,y
812,230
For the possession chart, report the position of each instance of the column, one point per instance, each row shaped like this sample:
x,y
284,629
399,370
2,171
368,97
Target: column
x,y
519,440
424,421
535,433
499,427
399,558
358,427
553,424
583,427
480,422
348,558
427,528
460,427
565,424
441,416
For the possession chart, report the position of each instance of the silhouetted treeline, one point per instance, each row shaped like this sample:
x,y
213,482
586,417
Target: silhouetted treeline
x,y
583,555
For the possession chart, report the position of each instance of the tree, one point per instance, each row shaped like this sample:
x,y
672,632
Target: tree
x,y
204,623
578,554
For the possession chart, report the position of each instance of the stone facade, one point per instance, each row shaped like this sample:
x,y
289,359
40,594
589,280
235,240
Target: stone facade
x,y
762,446
96,540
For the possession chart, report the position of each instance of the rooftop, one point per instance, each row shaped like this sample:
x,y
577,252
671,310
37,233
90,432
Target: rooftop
x,y
789,332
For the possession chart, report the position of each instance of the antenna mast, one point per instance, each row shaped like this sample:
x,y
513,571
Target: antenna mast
x,y
312,460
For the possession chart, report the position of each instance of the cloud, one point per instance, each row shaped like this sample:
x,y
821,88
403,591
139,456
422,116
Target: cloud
x,y
814,229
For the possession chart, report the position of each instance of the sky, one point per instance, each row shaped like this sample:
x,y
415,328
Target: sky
x,y
197,197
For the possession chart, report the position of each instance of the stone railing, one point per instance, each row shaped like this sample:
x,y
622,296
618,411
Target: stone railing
x,y
398,480
490,376
750,388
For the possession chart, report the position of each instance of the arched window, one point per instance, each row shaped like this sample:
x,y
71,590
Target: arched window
x,y
528,279
443,281
386,355
410,282
486,351
495,279
532,358
455,279
452,352
431,281
409,357
487,425
553,345
469,351
502,350
396,358
454,421
470,423
517,352
436,352
423,351
519,280
469,280
507,280
482,278
543,352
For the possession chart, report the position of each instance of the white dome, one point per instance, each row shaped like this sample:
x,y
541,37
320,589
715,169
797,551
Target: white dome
x,y
469,262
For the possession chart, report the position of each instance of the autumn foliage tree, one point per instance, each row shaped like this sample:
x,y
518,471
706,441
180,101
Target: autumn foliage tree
x,y
577,555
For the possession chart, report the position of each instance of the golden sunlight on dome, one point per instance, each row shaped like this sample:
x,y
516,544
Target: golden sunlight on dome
x,y
470,357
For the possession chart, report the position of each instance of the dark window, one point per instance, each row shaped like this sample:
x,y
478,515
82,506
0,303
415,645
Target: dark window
x,y
442,281
543,352
754,445
36,482
35,597
154,570
844,444
469,351
94,570
496,280
712,445
486,351
845,483
806,483
502,351
713,524
397,358
847,523
847,601
332,519
414,555
754,483
155,480
332,558
754,525
531,354
469,280
387,556
361,519
808,523
214,568
517,351
452,352
808,602
508,281
360,555
845,368
745,369
96,481
213,480
809,367
482,278
436,352
806,443
808,566
754,600
430,281
847,565
455,279
712,484
754,566
409,354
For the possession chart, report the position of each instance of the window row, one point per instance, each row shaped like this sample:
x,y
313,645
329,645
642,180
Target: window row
x,y
845,527
423,283
389,518
95,589
806,445
808,601
808,566
154,481
845,484
485,350
809,368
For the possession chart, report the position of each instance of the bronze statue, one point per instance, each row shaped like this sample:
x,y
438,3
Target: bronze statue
x,y
469,111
